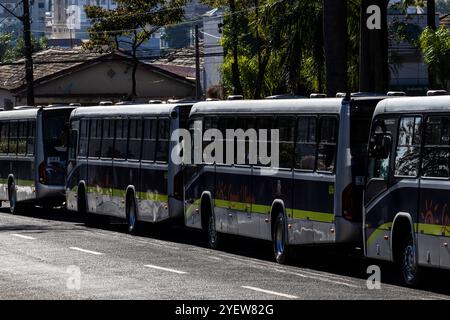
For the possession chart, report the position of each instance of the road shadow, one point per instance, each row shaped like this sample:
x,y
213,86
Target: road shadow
x,y
338,260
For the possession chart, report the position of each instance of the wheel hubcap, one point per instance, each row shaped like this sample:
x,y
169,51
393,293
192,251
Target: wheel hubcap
x,y
132,217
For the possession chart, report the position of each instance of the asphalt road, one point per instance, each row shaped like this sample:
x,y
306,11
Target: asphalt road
x,y
52,255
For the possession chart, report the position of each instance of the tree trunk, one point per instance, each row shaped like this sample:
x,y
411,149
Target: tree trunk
x,y
237,87
335,45
374,65
431,22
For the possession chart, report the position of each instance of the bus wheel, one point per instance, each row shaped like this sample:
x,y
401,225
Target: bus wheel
x,y
12,195
89,219
212,234
412,273
280,247
132,220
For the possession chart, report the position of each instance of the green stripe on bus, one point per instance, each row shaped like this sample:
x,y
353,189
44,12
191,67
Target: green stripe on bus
x,y
378,232
313,216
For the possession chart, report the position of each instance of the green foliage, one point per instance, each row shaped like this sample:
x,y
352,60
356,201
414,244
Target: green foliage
x,y
12,50
131,24
435,46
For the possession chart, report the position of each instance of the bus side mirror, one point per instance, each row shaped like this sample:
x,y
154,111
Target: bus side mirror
x,y
381,146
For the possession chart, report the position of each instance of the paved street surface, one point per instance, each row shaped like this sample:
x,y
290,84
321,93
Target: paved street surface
x,y
42,252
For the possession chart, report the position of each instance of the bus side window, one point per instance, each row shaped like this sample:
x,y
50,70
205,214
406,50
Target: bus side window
x,y
306,144
108,139
162,150
22,140
84,138
264,123
31,137
286,127
436,152
135,139
149,141
120,147
12,149
95,138
326,155
4,137
408,147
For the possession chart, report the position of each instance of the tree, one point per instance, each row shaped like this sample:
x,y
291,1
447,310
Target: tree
x,y
130,25
335,45
12,50
435,46
374,67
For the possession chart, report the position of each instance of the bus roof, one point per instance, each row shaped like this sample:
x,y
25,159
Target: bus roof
x,y
413,104
28,113
129,110
270,106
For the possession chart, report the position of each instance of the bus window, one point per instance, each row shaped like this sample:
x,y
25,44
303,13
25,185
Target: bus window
x,y
436,153
306,145
4,137
408,147
22,140
149,141
108,139
84,138
326,155
95,139
31,137
120,147
162,150
286,127
12,149
134,143
264,124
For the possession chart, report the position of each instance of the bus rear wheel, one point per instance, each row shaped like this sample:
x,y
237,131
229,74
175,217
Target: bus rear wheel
x,y
134,225
412,273
281,249
12,195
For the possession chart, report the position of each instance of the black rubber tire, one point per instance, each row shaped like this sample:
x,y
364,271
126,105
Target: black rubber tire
x,y
14,207
281,249
89,219
213,237
412,273
134,226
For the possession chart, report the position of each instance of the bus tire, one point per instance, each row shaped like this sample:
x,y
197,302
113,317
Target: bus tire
x,y
89,219
281,249
12,196
209,224
411,272
133,224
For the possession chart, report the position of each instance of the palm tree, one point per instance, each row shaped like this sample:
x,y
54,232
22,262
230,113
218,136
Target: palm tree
x,y
335,45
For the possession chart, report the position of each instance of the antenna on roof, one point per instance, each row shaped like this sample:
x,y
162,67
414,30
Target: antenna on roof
x,y
236,97
396,94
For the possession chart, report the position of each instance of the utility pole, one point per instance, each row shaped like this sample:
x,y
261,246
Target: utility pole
x,y
25,19
28,52
198,86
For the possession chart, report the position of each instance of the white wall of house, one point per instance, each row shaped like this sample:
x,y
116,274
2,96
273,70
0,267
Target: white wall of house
x,y
213,49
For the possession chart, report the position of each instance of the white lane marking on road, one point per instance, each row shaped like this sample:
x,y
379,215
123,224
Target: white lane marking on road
x,y
22,236
284,295
304,274
86,251
165,269
317,278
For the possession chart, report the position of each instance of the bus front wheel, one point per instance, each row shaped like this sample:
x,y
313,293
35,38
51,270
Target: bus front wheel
x,y
412,273
279,240
212,234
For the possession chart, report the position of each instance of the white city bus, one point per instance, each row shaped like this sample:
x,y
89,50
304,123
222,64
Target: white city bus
x,y
119,163
316,195
33,155
407,192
